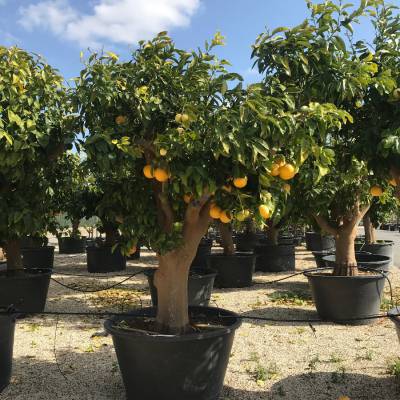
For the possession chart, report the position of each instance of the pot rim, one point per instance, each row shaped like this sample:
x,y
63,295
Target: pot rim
x,y
37,248
239,254
375,275
29,273
226,330
332,258
203,272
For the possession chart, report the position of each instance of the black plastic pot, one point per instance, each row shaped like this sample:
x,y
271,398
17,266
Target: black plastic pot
x,y
366,260
246,241
203,251
38,257
286,239
394,316
347,299
316,242
71,245
185,367
275,258
7,328
318,255
298,240
103,259
27,292
381,248
33,241
135,255
384,227
233,271
200,286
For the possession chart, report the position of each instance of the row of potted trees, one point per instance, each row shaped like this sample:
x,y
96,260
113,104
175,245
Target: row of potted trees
x,y
172,141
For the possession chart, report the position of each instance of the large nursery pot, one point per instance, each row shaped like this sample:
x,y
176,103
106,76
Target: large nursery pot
x,y
275,258
347,299
394,315
71,245
286,239
380,247
38,257
318,255
169,367
102,259
364,259
203,251
233,271
317,242
25,291
246,241
200,286
7,328
33,241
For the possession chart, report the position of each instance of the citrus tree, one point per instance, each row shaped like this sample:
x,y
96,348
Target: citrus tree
x,y
192,143
319,60
33,133
73,187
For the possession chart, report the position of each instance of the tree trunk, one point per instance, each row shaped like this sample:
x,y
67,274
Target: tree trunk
x,y
250,226
75,228
369,230
226,237
171,277
272,235
13,254
346,264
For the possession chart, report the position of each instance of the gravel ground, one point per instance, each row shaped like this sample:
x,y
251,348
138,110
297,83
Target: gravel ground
x,y
58,358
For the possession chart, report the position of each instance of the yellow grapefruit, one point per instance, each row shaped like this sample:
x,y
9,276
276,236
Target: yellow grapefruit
x,y
264,211
376,191
287,172
161,174
224,217
148,172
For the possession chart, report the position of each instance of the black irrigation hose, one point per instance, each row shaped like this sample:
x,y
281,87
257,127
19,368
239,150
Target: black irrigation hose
x,y
141,315
98,290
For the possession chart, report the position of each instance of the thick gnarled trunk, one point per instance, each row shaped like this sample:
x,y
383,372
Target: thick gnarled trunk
x,y
346,263
345,235
369,230
171,277
13,254
226,238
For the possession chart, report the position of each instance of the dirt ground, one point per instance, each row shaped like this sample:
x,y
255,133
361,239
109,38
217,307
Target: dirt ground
x,y
59,358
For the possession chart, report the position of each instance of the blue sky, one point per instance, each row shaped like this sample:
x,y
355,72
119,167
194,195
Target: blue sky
x,y
60,29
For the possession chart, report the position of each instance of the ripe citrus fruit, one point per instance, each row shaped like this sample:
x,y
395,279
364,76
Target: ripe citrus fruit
x,y
287,172
393,182
396,93
178,118
163,152
275,170
215,211
224,217
148,172
120,120
180,130
185,118
264,211
376,191
187,198
161,174
240,182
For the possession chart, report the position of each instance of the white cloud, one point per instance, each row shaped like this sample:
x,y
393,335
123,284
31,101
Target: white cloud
x,y
110,21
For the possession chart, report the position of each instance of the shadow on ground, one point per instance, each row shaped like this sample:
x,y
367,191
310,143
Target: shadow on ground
x,y
323,386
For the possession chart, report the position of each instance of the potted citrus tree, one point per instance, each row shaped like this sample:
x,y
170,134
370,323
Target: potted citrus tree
x,y
73,186
320,61
167,121
34,131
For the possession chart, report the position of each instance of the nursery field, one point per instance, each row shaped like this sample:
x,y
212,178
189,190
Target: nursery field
x,y
68,357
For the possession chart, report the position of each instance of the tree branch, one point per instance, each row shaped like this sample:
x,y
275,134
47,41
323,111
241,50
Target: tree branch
x,y
324,225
